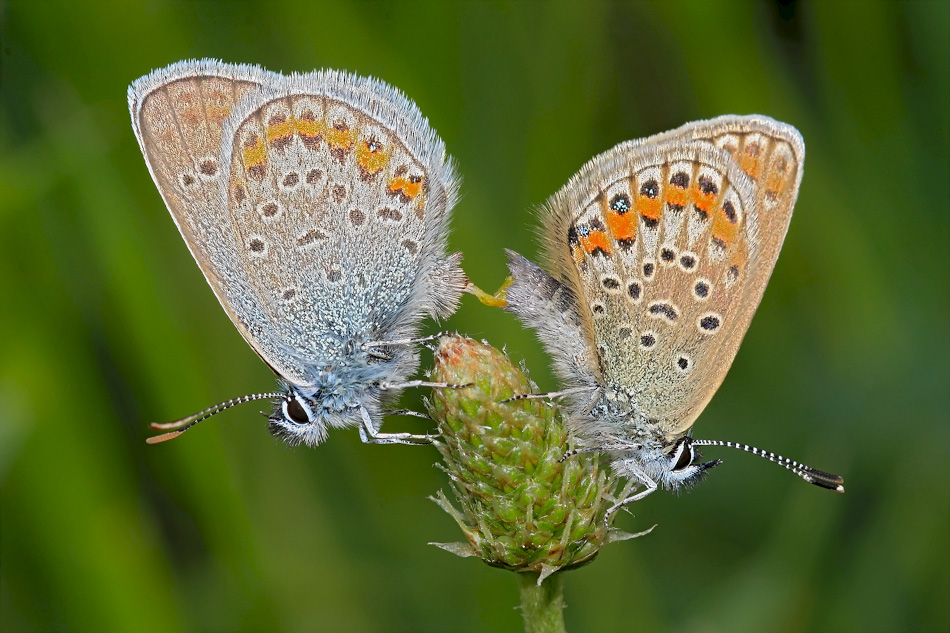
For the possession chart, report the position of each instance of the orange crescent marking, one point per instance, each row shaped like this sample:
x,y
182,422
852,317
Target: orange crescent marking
x,y
623,226
339,139
255,155
650,207
309,127
750,164
723,229
404,185
278,131
595,240
677,196
703,201
371,161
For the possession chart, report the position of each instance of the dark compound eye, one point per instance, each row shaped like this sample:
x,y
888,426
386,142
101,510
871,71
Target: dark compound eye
x,y
296,412
685,458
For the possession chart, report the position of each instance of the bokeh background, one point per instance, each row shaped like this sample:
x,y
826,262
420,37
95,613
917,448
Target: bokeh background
x,y
107,324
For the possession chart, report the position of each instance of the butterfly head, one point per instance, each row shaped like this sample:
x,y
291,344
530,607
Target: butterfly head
x,y
684,466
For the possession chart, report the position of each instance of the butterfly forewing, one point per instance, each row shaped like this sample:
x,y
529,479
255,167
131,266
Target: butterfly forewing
x,y
333,200
178,115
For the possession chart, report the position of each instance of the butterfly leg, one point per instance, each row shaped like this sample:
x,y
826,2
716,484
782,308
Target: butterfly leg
x,y
370,435
551,395
423,383
650,489
369,345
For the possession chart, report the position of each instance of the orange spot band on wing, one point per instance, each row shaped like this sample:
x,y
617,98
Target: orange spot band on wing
x,y
750,164
650,207
279,131
594,240
218,113
677,196
309,127
369,160
255,154
339,139
723,229
704,201
623,226
405,186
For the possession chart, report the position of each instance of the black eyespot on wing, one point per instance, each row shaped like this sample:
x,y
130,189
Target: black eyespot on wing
x,y
650,189
620,203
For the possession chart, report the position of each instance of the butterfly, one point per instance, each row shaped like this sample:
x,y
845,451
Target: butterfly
x,y
317,207
658,253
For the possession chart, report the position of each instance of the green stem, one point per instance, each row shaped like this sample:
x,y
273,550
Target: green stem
x,y
542,607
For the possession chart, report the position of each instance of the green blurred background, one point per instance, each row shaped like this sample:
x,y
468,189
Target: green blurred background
x,y
108,324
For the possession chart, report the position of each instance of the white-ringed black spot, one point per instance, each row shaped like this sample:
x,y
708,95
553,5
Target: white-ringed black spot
x,y
635,290
667,255
208,167
647,340
649,268
310,237
187,180
688,261
256,245
291,179
611,284
598,308
664,310
701,289
709,322
683,364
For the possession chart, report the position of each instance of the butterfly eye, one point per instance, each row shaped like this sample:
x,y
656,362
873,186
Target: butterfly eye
x,y
295,411
684,456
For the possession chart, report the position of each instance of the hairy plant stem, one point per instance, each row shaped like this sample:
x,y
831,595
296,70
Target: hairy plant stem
x,y
542,606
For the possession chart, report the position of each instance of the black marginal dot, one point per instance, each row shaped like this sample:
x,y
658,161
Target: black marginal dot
x,y
733,273
709,323
648,269
647,340
682,362
680,179
598,308
650,189
610,283
667,255
187,179
730,212
688,262
650,223
706,185
256,245
620,203
634,290
625,244
701,289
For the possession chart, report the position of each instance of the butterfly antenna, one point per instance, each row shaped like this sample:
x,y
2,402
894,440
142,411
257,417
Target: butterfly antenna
x,y
809,474
182,425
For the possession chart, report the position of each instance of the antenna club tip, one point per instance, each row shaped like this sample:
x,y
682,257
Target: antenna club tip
x,y
840,488
162,438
